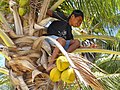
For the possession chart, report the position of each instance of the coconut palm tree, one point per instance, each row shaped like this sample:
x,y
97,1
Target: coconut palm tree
x,y
27,52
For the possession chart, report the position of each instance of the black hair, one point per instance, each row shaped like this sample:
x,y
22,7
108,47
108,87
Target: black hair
x,y
77,13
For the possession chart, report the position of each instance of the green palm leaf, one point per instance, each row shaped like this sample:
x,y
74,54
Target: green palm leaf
x,y
4,71
5,83
110,82
110,64
6,39
96,51
101,37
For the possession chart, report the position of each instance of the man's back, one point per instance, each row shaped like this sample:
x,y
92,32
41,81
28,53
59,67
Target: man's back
x,y
60,27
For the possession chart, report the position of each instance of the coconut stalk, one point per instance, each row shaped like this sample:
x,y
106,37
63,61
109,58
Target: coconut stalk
x,y
43,10
56,4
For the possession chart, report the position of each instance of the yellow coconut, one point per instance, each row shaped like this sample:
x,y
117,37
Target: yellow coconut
x,y
68,75
62,63
55,74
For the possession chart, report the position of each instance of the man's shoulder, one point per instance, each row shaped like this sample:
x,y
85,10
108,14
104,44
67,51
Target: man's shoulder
x,y
60,16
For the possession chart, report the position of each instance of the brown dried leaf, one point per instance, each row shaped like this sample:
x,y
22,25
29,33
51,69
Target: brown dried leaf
x,y
25,39
22,83
46,46
26,64
13,78
34,55
37,44
15,67
44,59
85,72
35,73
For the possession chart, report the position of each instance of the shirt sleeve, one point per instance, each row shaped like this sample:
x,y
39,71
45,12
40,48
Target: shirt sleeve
x,y
59,15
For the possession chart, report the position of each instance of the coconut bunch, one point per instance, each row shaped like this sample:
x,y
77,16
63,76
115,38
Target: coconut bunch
x,y
65,73
62,71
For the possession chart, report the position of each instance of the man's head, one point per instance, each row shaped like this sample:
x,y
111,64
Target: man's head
x,y
76,18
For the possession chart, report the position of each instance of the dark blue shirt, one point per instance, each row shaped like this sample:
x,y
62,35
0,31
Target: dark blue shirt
x,y
60,27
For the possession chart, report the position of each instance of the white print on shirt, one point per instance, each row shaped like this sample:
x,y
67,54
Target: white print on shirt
x,y
62,34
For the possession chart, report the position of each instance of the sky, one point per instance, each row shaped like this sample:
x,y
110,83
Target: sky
x,y
2,61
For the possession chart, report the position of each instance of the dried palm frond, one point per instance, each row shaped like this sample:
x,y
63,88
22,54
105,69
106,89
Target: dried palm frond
x,y
31,22
36,4
4,21
13,35
23,63
23,85
17,20
43,10
85,71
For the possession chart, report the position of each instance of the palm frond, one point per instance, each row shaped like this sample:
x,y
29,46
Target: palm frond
x,y
17,20
7,57
6,39
101,37
109,65
86,72
110,82
4,21
56,4
5,82
4,71
96,51
101,11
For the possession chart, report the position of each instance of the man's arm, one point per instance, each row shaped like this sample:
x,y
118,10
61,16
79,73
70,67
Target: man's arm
x,y
58,15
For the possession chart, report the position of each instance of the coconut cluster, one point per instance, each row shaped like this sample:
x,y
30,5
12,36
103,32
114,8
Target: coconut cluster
x,y
62,71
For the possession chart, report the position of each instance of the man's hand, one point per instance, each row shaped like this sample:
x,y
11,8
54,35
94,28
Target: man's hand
x,y
49,12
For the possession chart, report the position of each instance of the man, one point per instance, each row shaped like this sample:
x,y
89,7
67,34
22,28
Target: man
x,y
61,31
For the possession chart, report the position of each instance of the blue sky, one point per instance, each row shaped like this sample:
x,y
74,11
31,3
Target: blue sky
x,y
2,61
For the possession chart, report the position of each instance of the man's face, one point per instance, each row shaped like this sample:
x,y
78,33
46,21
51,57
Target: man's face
x,y
75,21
